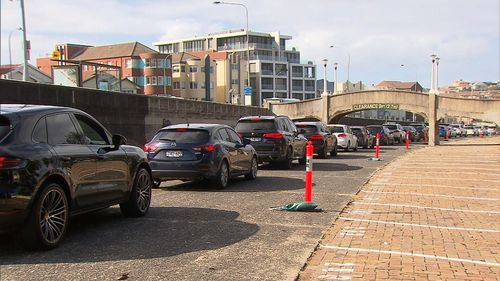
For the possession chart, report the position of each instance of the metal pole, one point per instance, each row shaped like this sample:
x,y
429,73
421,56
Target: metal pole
x,y
25,51
325,90
335,66
437,76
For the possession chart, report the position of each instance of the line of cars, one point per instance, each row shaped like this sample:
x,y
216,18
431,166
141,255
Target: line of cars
x,y
462,130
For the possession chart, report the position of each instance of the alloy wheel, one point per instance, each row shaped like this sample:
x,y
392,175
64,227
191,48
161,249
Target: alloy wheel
x,y
53,215
143,191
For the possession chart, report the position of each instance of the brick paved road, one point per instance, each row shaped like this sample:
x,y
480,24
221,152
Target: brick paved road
x,y
433,214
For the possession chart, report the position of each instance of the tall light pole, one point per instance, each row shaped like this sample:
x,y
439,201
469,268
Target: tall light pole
x,y
248,43
436,88
433,73
348,63
25,47
325,90
335,66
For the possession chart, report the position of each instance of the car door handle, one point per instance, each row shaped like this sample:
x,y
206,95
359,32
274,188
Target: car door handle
x,y
65,158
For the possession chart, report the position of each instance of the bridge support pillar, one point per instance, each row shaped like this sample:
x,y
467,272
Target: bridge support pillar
x,y
433,125
325,116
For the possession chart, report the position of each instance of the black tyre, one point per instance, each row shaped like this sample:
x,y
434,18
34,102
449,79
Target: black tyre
x,y
355,147
140,196
323,153
48,220
347,147
365,146
222,178
254,167
335,151
156,183
287,163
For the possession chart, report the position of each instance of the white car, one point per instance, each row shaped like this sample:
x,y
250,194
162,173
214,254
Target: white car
x,y
345,138
492,130
470,130
459,128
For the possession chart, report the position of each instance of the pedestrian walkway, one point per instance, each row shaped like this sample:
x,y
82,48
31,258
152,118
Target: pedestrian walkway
x,y
433,214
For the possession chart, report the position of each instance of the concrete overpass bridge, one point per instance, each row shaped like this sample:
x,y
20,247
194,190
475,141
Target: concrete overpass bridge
x,y
432,107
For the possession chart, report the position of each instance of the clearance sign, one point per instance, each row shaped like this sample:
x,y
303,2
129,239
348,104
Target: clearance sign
x,y
365,106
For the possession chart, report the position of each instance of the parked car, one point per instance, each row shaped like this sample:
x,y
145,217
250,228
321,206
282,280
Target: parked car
x,y
56,162
397,130
421,129
345,138
443,131
275,138
323,141
492,130
469,129
365,139
200,151
386,136
414,135
459,128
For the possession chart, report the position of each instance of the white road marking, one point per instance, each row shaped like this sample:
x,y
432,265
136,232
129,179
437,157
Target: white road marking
x,y
337,271
352,231
412,255
361,212
433,195
423,207
436,185
421,225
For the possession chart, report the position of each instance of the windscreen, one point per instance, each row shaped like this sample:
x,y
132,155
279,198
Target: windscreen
x,y
336,129
373,130
391,127
307,129
188,136
248,126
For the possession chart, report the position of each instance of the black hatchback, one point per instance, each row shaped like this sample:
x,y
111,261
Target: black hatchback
x,y
56,162
200,151
275,138
323,141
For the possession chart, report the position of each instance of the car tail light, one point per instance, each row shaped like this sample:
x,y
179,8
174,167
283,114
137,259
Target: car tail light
x,y
241,135
255,120
205,148
315,137
181,130
7,162
342,136
273,136
150,147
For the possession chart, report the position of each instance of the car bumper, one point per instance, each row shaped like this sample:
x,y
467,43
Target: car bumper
x,y
189,170
342,142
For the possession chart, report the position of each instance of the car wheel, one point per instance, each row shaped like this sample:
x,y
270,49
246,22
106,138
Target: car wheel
x,y
287,163
323,153
222,178
335,150
138,203
156,183
347,147
355,147
48,220
253,170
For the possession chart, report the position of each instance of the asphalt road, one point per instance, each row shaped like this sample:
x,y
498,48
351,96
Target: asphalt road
x,y
194,232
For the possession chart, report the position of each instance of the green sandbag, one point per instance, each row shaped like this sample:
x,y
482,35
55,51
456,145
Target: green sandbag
x,y
300,207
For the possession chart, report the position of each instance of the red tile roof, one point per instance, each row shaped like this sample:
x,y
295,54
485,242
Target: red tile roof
x,y
114,51
8,68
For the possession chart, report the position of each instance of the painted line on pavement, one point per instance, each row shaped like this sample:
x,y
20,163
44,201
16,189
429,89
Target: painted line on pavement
x,y
422,207
433,195
421,225
440,178
434,185
411,255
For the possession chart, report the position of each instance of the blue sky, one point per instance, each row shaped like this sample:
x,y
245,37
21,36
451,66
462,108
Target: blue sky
x,y
379,35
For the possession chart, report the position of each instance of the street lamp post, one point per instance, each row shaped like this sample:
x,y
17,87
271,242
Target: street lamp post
x,y
433,73
10,49
436,88
348,63
247,38
335,66
25,43
325,90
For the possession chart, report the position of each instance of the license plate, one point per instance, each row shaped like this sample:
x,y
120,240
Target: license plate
x,y
174,154
255,139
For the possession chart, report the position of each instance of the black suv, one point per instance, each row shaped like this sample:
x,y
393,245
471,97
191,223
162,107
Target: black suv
x,y
323,141
56,162
275,138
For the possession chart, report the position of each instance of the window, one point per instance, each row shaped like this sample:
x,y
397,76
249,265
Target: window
x,y
235,81
176,68
148,80
168,80
235,138
103,85
153,80
153,62
94,133
193,85
40,131
176,85
128,63
224,136
235,66
160,80
193,68
61,130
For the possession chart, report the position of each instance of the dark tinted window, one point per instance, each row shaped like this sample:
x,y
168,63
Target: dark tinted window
x,y
307,129
223,135
40,131
291,125
373,130
4,127
95,134
336,129
391,127
61,130
235,138
189,136
357,131
247,126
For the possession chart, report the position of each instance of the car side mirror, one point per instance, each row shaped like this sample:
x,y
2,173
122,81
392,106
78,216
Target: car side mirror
x,y
119,140
246,141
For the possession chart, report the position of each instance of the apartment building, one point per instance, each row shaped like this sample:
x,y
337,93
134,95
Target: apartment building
x,y
275,71
147,68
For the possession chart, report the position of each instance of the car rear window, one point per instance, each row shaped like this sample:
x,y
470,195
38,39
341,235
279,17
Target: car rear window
x,y
189,136
4,127
306,129
336,129
391,127
374,130
253,125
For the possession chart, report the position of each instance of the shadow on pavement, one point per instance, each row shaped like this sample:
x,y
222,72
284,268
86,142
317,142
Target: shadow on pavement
x,y
240,184
108,236
335,167
350,156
